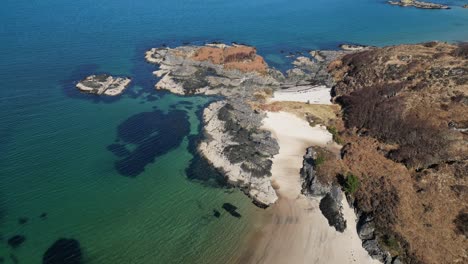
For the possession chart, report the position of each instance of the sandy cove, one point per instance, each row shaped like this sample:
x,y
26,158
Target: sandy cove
x,y
294,229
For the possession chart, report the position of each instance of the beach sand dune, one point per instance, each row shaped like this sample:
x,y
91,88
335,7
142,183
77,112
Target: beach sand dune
x,y
294,230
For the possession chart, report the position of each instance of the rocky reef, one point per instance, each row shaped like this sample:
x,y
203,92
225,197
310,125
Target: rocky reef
x,y
418,4
103,84
235,145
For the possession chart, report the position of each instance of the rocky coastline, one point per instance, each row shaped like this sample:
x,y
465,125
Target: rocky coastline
x,y
418,4
232,126
236,145
103,84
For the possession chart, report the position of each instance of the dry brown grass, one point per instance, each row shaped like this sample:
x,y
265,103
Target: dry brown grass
x,y
313,113
243,58
419,208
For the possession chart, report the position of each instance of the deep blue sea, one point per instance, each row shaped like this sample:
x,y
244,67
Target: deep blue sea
x,y
116,174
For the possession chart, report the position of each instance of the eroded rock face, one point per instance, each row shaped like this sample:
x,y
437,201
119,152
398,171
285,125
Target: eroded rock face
x,y
103,84
332,208
311,185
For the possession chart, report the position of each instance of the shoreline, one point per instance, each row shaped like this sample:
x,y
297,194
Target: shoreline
x,y
294,230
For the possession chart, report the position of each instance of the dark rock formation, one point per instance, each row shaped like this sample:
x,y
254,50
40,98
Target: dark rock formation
x,y
16,241
63,251
311,185
331,208
375,251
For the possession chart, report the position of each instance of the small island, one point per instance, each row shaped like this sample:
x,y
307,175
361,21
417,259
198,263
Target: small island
x,y
418,4
465,6
103,84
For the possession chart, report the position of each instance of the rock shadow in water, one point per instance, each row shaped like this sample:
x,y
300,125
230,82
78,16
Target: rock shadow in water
x,y
231,209
63,251
154,134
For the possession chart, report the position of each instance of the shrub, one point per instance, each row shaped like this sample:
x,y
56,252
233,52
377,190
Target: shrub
x,y
461,51
336,136
351,184
319,160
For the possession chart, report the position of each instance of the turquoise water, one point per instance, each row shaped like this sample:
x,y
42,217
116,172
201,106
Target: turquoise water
x,y
54,155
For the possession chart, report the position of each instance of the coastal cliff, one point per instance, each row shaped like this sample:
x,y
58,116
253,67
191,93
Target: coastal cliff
x,y
404,160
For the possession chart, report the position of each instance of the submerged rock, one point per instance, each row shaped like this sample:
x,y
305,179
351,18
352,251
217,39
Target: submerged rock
x,y
16,241
216,213
103,84
23,220
63,251
43,216
231,209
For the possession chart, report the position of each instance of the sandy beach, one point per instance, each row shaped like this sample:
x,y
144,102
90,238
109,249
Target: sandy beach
x,y
306,94
294,230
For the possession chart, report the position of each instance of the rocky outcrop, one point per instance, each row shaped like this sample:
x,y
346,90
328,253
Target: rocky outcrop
x,y
311,185
234,142
210,69
332,208
418,4
355,47
366,231
331,196
103,84
236,146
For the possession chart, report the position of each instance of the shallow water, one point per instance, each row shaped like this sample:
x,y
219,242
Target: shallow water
x,y
139,206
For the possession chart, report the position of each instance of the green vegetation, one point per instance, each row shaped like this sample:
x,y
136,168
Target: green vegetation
x,y
319,160
336,136
391,243
351,184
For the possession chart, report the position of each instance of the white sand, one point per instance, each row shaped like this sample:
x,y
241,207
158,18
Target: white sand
x,y
295,231
312,94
